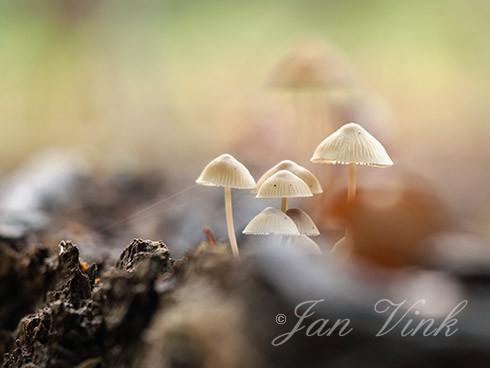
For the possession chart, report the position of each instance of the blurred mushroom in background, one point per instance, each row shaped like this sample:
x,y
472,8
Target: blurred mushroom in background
x,y
310,73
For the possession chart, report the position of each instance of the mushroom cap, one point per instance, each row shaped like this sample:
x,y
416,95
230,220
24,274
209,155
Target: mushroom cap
x,y
284,184
352,144
302,173
311,66
271,221
303,222
226,171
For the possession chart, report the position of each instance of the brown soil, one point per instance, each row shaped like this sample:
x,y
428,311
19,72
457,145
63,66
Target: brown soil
x,y
202,310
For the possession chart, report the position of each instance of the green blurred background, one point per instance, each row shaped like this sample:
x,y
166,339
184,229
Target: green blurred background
x,y
165,80
165,86
172,84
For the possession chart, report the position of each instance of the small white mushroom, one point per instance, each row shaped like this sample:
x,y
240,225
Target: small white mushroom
x,y
284,184
305,245
301,172
271,221
303,222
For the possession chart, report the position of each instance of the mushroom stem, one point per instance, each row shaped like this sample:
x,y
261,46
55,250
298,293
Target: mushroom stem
x,y
351,189
351,194
284,204
229,222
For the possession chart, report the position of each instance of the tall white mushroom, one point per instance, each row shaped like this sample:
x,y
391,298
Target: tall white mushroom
x,y
351,145
227,172
284,184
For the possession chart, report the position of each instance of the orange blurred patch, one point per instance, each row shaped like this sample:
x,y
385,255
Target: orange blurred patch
x,y
389,226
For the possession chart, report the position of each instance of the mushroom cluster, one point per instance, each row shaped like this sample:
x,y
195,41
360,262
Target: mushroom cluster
x,y
351,145
286,180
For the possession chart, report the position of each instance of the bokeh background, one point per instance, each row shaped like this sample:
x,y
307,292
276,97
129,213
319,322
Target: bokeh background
x,y
162,87
110,109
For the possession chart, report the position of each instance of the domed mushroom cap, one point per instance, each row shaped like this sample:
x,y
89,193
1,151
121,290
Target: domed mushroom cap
x,y
226,171
352,144
271,221
284,184
311,66
303,222
302,173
